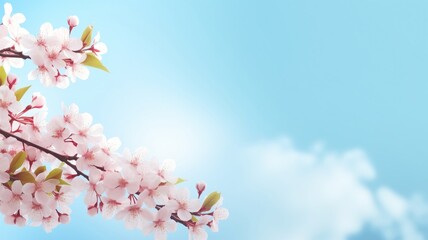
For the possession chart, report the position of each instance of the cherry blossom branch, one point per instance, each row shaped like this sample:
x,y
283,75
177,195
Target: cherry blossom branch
x,y
63,158
110,176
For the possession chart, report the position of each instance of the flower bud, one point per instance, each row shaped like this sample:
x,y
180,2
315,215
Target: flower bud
x,y
73,21
201,188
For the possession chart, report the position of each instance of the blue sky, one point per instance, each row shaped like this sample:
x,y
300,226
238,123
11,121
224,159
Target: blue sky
x,y
208,82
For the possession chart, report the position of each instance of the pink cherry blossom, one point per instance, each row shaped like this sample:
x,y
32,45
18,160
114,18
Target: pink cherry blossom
x,y
160,223
164,171
17,35
111,206
49,222
8,101
35,210
75,68
117,185
42,189
70,115
11,199
84,130
42,41
134,161
57,134
64,198
15,219
37,100
152,192
90,157
99,48
197,232
68,46
10,20
219,214
54,57
5,41
44,72
95,188
64,218
4,166
110,146
183,205
134,215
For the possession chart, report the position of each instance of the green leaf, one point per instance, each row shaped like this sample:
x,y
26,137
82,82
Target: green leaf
x,y
55,174
92,61
20,92
180,180
194,219
17,161
210,201
40,170
87,35
3,76
25,177
62,182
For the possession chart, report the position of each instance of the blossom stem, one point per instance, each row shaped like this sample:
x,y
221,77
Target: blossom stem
x,y
63,158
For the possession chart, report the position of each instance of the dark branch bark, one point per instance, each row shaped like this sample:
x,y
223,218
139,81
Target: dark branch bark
x,y
11,53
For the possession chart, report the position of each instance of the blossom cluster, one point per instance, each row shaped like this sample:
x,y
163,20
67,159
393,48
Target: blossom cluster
x,y
46,163
59,58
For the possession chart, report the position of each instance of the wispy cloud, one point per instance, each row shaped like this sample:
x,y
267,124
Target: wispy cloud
x,y
320,194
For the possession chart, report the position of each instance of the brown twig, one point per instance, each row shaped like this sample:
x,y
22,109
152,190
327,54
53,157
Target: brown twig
x,y
11,53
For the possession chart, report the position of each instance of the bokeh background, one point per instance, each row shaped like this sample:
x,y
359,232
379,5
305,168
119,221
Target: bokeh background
x,y
309,116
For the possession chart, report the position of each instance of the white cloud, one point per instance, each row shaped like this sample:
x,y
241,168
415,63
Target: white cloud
x,y
317,194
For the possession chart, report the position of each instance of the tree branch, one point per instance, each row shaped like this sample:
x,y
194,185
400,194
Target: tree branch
x,y
12,53
63,158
